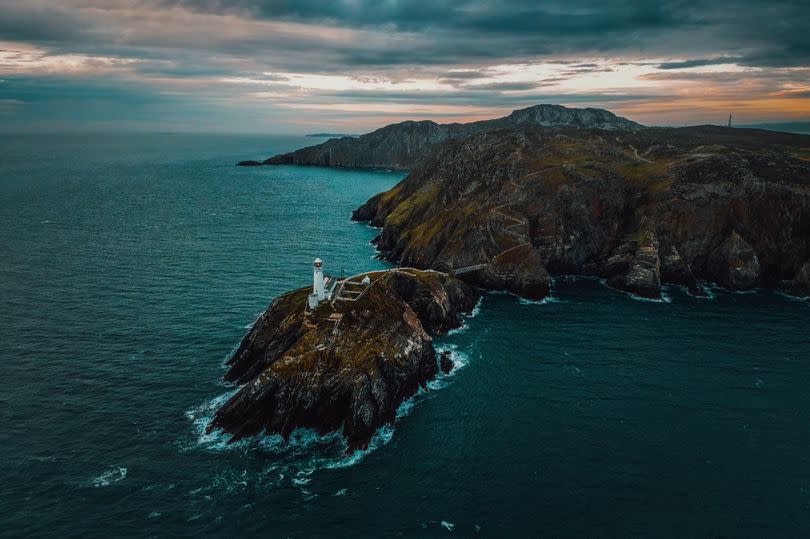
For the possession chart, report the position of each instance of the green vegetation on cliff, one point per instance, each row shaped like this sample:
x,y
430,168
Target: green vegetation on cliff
x,y
637,207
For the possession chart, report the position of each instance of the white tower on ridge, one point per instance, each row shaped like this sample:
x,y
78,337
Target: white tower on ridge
x,y
317,279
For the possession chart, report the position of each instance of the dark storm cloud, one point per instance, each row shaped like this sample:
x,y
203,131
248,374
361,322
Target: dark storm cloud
x,y
510,16
468,74
24,23
503,86
428,33
777,29
700,62
491,99
158,53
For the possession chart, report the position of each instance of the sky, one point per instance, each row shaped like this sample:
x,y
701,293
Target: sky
x,y
349,66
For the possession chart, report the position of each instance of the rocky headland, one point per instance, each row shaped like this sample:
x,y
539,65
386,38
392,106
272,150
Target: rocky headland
x,y
346,365
402,145
549,192
638,208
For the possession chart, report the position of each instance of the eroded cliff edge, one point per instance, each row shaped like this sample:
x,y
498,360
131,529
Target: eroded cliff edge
x,y
348,364
637,208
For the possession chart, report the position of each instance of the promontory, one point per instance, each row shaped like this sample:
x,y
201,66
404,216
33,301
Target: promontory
x,y
636,207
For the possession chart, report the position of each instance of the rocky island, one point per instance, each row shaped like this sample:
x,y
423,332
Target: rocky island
x,y
635,207
346,364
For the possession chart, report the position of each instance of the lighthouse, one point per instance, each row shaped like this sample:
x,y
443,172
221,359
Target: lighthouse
x,y
317,280
323,286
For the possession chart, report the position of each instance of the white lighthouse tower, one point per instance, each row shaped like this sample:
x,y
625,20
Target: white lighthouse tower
x,y
317,279
322,286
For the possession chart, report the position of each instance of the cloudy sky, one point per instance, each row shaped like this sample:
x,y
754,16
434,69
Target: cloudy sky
x,y
282,66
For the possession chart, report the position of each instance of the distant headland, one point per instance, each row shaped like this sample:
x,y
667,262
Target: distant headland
x,y
331,135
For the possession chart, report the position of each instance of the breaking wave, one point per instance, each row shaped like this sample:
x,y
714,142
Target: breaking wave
x,y
305,452
473,313
113,475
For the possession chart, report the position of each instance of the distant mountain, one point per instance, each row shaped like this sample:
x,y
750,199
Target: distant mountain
x,y
802,128
402,145
330,135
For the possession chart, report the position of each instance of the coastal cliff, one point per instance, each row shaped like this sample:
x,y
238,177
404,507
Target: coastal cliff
x,y
346,365
638,208
401,146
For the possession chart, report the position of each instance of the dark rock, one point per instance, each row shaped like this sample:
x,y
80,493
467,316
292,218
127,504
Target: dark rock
x,y
520,271
248,164
446,362
635,207
734,264
643,273
799,286
803,277
346,366
403,145
674,269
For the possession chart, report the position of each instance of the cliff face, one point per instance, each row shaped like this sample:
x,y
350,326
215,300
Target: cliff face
x,y
345,366
637,208
403,145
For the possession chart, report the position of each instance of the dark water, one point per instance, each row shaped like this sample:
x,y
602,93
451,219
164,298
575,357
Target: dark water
x,y
130,266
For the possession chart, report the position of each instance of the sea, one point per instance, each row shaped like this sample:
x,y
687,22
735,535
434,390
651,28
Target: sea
x,y
131,265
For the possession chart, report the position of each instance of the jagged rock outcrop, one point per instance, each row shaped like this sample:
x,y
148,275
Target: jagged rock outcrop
x,y
642,274
403,145
248,164
799,285
347,365
446,363
637,208
734,264
674,269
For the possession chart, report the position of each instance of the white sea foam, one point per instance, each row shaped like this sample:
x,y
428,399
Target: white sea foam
x,y
302,479
803,299
460,360
305,451
545,301
202,415
255,319
295,459
464,317
707,289
525,301
448,525
341,492
665,298
113,475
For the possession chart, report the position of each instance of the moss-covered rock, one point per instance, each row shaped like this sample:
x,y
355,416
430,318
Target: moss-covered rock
x,y
635,207
345,366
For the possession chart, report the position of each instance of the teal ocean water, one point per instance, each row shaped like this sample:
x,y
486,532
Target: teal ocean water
x,y
132,265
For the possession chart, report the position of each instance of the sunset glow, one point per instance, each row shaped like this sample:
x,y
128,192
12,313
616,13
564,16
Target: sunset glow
x,y
262,67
